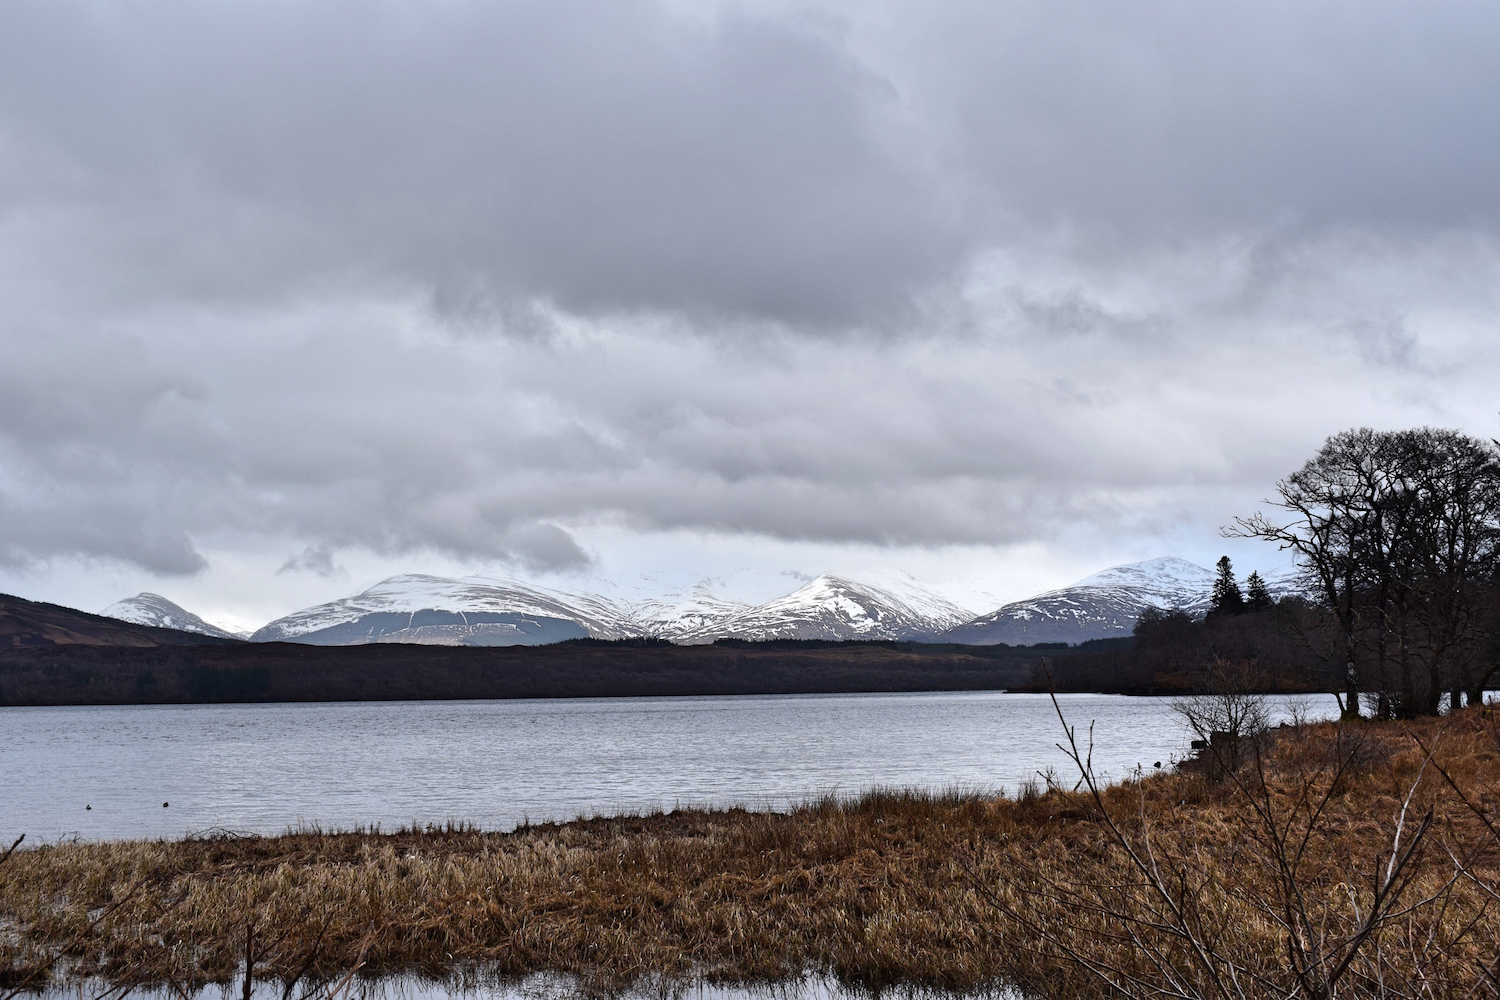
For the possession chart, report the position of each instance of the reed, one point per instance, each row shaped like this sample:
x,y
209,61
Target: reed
x,y
956,891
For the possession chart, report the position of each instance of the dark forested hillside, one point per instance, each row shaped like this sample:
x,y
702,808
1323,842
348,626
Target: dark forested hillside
x,y
77,674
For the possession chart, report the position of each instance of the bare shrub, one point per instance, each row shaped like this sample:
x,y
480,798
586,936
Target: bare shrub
x,y
1266,896
1228,703
1227,712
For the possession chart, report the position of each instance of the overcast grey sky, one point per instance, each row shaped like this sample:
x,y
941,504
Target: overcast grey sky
x,y
294,295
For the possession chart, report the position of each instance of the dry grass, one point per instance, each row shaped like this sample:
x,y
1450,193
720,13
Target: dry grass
x,y
948,892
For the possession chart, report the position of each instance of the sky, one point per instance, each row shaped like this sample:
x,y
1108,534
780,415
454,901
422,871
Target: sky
x,y
616,293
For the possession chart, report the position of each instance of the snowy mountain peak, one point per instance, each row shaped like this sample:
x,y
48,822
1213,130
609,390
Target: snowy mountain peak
x,y
155,610
833,607
1100,606
1167,573
905,595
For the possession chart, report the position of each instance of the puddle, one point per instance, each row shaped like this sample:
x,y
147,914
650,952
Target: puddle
x,y
477,985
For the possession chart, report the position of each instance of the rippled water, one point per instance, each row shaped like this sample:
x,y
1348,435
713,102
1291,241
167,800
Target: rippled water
x,y
99,773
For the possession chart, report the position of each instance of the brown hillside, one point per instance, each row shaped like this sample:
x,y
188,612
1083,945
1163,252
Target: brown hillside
x,y
31,625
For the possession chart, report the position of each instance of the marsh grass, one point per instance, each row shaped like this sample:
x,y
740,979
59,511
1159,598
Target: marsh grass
x,y
952,891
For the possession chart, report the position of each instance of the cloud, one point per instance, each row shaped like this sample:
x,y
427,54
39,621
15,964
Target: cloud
x,y
547,547
313,559
481,279
1158,118
602,155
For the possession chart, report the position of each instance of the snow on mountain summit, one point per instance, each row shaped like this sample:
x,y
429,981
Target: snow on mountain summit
x,y
1104,605
432,609
476,611
1166,575
914,594
157,611
877,605
693,612
836,608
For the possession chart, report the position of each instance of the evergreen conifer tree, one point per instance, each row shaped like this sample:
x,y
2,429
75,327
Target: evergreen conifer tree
x,y
1257,597
1227,599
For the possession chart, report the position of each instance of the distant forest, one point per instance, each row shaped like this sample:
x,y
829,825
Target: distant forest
x,y
269,672
1167,656
1264,650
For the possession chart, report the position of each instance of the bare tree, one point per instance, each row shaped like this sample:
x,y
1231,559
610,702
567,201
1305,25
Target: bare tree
x,y
1397,534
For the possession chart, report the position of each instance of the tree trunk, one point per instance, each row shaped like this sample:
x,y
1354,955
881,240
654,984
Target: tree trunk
x,y
1409,703
1351,687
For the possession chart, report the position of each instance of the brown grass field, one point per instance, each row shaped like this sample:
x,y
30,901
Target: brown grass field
x,y
1324,861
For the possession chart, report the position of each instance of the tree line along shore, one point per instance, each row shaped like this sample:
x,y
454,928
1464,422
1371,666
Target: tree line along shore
x,y
1335,859
285,672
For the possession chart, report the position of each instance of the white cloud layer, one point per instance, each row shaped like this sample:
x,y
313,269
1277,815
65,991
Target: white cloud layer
x,y
306,286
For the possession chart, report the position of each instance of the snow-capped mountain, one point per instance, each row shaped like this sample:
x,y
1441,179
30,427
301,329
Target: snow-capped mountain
x,y
440,611
694,612
156,610
833,607
881,605
1170,582
1100,606
479,612
921,599
1285,583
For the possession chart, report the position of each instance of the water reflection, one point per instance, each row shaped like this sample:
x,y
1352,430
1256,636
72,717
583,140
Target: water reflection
x,y
476,984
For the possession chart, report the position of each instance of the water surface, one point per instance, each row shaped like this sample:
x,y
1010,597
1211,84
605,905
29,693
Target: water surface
x,y
100,773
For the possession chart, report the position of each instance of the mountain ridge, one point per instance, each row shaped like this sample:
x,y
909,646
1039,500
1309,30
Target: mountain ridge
x,y
477,613
833,607
483,611
1103,605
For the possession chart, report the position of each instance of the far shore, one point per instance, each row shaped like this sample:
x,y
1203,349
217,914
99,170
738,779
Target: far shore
x,y
288,672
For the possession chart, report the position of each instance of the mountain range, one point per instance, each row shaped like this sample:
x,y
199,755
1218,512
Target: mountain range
x,y
435,610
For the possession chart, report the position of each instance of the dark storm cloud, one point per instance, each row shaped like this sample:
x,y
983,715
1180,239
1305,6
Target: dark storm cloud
x,y
474,277
605,155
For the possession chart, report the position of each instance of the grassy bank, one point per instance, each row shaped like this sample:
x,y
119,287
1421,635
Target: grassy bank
x,y
1345,852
